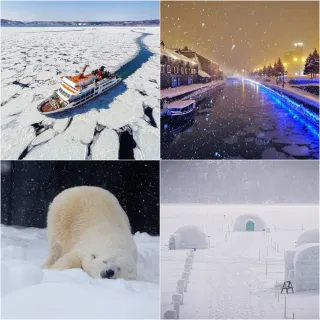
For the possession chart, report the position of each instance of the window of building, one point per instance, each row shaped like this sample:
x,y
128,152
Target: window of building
x,y
163,68
182,70
168,69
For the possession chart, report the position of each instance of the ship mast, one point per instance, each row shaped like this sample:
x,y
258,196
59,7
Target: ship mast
x,y
83,71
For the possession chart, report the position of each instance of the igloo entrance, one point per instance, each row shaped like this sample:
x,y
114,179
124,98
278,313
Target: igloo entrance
x,y
250,225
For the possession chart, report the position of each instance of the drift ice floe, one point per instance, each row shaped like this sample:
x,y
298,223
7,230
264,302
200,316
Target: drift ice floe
x,y
77,90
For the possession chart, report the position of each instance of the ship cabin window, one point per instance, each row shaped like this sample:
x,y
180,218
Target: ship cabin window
x,y
65,94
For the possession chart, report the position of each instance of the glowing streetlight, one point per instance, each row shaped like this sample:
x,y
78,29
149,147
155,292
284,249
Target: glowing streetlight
x,y
295,59
285,64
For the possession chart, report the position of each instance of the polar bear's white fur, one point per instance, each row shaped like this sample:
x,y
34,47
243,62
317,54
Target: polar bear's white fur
x,y
88,229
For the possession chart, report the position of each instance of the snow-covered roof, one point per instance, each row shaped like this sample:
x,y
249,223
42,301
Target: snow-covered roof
x,y
175,55
309,236
203,74
180,103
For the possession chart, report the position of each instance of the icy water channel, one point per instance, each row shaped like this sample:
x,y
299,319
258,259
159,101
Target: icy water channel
x,y
133,65
240,121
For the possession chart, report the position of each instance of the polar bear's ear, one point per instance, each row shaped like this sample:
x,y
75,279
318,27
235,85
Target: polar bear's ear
x,y
93,256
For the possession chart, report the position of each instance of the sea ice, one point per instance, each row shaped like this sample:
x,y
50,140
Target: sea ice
x,y
297,151
64,51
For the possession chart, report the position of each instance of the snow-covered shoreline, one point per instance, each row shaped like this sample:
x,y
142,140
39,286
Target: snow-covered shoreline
x,y
296,93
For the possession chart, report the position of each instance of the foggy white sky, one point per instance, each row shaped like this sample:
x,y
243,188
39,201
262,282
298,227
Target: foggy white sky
x,y
240,182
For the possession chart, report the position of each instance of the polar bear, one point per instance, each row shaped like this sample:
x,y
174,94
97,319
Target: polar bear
x,y
87,228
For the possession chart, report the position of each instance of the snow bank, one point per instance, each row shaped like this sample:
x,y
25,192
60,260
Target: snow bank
x,y
306,267
73,294
309,236
78,301
188,237
241,222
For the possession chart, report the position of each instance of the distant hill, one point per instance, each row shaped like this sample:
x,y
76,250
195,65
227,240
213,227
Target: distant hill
x,y
154,22
12,22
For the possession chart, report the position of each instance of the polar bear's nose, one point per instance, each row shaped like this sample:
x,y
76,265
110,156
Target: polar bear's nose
x,y
107,274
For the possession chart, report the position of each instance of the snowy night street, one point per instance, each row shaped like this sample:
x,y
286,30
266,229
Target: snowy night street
x,y
241,121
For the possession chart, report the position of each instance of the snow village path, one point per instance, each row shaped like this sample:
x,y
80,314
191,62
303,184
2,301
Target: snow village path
x,y
229,283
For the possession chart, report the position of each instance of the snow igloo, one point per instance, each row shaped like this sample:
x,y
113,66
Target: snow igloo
x,y
304,274
302,263
188,237
308,236
249,222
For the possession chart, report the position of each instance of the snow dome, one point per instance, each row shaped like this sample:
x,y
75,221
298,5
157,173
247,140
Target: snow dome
x,y
309,236
188,237
249,222
305,273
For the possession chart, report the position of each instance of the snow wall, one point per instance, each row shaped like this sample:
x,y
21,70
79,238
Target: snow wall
x,y
309,236
241,223
288,263
188,237
306,267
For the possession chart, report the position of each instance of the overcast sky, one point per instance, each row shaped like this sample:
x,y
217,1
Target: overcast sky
x,y
79,10
240,35
240,182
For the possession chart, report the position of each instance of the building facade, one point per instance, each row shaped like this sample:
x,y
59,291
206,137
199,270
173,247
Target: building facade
x,y
176,69
207,69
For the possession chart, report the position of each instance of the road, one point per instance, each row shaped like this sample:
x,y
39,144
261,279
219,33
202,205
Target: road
x,y
240,121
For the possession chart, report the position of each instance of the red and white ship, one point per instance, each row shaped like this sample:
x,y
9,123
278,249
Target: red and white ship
x,y
77,90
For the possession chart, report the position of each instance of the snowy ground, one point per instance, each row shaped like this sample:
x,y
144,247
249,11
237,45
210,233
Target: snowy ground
x,y
33,59
229,281
72,294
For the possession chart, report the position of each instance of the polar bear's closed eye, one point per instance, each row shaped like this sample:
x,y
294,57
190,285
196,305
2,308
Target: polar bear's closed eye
x,y
112,265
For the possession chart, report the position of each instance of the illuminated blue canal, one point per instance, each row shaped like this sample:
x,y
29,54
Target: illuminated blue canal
x,y
241,121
